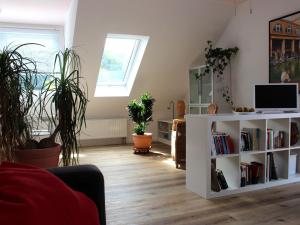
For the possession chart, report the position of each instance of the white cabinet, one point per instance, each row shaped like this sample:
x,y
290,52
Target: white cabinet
x,y
200,157
201,91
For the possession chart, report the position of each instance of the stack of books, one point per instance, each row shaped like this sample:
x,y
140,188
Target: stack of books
x,y
250,138
221,144
271,173
275,139
251,173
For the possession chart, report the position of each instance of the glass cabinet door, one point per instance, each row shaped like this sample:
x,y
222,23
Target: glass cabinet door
x,y
201,91
194,87
205,88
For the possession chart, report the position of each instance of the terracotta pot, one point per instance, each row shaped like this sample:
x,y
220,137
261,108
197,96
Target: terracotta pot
x,y
142,142
44,158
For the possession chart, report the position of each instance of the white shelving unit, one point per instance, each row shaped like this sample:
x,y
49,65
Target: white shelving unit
x,y
199,158
165,131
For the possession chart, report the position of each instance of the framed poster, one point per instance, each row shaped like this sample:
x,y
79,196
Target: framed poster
x,y
284,49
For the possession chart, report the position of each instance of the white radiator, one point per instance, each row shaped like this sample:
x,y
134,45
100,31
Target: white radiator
x,y
104,128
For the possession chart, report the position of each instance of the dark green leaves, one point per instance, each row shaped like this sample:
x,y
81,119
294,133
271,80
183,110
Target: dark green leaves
x,y
68,100
16,98
217,59
141,112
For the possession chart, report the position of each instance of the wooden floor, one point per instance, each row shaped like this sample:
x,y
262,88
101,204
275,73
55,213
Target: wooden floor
x,y
147,189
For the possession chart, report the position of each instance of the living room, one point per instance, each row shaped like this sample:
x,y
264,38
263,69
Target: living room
x,y
167,42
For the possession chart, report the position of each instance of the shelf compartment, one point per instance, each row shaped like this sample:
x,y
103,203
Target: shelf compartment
x,y
259,137
249,159
277,125
231,128
281,161
230,168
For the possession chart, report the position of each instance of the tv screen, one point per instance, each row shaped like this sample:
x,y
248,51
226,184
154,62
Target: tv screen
x,y
276,96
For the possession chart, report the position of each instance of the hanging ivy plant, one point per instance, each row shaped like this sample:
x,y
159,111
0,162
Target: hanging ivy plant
x,y
216,60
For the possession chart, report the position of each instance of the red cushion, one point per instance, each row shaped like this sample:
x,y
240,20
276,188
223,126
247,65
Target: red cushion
x,y
32,196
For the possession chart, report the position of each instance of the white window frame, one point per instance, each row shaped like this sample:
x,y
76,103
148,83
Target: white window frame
x,y
38,29
123,88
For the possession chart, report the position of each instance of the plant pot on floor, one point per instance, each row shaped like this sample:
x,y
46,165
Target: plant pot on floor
x,y
44,158
142,143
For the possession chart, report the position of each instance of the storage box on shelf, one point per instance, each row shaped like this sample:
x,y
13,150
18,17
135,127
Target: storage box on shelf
x,y
262,164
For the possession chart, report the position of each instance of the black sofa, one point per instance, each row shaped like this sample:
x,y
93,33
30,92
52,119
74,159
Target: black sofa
x,y
87,179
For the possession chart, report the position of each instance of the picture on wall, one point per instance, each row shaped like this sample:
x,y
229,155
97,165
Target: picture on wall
x,y
284,50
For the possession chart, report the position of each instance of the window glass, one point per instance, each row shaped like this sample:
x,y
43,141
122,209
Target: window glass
x,y
43,54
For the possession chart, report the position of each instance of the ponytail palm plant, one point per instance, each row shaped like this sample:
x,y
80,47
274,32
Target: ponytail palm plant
x,y
66,97
16,98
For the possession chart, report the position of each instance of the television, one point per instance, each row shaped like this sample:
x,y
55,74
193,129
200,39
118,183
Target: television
x,y
276,97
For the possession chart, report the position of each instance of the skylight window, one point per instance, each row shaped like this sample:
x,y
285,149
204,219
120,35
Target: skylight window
x,y
120,62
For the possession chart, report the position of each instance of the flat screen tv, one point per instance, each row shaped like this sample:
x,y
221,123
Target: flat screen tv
x,y
276,97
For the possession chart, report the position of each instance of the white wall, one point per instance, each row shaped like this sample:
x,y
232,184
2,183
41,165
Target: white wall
x,y
178,32
70,23
250,32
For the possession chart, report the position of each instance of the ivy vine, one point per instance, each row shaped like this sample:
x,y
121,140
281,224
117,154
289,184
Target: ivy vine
x,y
216,60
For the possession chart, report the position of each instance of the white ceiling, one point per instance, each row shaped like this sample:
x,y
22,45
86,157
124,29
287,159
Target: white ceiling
x,y
52,12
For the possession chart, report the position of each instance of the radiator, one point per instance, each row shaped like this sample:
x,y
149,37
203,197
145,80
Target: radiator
x,y
104,128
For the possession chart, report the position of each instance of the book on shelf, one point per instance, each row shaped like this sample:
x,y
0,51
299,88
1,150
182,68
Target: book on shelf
x,y
250,139
271,173
251,173
275,139
221,144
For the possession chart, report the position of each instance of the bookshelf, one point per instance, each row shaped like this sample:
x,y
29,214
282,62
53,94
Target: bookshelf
x,y
285,158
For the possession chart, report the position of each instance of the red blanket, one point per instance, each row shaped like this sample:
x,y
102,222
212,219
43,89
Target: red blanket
x,y
31,196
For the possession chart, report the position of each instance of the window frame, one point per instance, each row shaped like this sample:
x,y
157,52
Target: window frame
x,y
46,29
123,88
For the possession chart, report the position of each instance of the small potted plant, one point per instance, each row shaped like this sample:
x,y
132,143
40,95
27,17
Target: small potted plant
x,y
140,112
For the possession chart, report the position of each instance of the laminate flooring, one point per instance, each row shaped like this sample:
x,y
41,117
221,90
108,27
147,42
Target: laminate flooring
x,y
149,190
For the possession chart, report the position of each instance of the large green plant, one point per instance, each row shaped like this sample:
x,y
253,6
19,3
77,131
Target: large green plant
x,y
140,112
67,99
16,98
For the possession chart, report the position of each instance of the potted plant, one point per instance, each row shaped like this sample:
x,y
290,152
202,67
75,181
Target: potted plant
x,y
62,93
66,97
63,101
16,99
140,112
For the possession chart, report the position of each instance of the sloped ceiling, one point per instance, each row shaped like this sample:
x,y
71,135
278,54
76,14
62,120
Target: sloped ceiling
x,y
50,12
178,33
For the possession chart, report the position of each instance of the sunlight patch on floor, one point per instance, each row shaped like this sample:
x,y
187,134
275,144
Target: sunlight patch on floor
x,y
169,162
